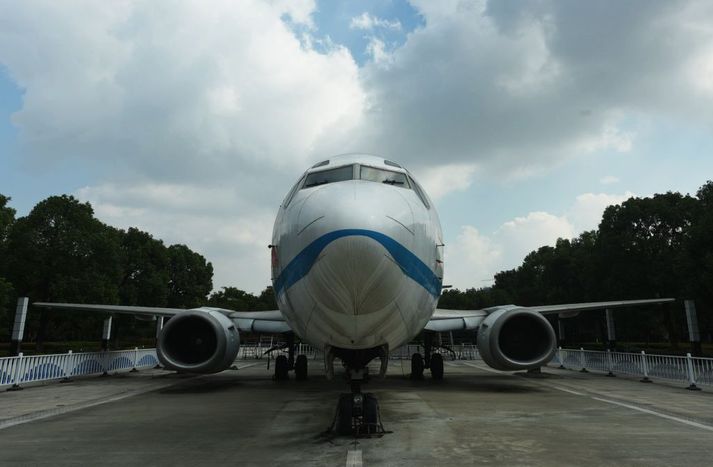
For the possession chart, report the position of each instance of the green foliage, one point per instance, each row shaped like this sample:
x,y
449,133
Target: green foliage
x,y
7,218
145,270
59,252
190,277
232,298
661,246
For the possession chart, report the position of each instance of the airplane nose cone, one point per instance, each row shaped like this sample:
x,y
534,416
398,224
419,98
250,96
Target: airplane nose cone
x,y
354,274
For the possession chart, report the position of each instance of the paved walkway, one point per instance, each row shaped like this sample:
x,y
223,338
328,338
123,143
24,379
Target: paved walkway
x,y
475,416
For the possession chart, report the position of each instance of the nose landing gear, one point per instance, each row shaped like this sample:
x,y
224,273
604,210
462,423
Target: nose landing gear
x,y
357,412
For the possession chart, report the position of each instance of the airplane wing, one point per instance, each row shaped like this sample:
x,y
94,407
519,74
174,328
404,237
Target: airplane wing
x,y
248,321
453,320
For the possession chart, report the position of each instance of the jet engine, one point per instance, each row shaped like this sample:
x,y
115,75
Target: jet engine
x,y
198,341
516,339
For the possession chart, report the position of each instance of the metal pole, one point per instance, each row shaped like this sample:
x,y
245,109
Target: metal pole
x,y
609,365
645,368
691,375
159,325
694,334
611,330
559,356
106,334
583,361
17,374
18,329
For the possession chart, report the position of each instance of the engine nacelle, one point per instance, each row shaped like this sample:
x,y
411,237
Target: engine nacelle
x,y
198,341
516,339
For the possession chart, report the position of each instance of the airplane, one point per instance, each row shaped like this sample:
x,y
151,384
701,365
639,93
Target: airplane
x,y
357,269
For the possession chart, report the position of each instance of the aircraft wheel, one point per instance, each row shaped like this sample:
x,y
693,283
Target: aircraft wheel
x,y
344,415
437,366
301,367
416,366
282,368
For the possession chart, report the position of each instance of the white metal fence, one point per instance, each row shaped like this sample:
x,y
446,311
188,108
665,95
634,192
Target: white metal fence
x,y
688,369
15,371
458,352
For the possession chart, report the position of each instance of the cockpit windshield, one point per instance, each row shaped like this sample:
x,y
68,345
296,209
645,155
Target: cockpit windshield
x,y
383,176
339,174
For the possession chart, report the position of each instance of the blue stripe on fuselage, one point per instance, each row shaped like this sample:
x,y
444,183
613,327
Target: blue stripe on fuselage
x,y
410,264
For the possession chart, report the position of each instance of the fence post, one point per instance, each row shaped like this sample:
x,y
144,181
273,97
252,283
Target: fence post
x,y
17,374
609,365
136,357
691,376
582,360
67,368
645,367
18,329
559,356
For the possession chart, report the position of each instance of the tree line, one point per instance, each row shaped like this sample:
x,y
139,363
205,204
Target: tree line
x,y
658,246
60,252
650,247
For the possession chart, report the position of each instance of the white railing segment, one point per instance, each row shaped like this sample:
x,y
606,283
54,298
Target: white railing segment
x,y
688,369
14,371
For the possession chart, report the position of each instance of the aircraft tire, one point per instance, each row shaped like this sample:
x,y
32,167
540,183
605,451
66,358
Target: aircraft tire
x,y
282,368
437,366
301,367
417,366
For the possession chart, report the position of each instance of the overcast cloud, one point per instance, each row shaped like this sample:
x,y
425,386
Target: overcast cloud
x,y
199,118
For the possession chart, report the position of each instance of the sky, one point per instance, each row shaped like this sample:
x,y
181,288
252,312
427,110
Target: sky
x,y
191,120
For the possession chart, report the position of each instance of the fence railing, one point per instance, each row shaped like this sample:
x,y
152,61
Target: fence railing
x,y
458,352
688,369
15,371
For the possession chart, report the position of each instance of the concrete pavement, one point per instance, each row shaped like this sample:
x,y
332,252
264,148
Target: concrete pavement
x,y
476,416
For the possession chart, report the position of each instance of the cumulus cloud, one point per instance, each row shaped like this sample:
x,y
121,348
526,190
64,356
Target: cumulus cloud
x,y
441,180
518,87
170,100
175,89
586,213
473,258
368,22
213,221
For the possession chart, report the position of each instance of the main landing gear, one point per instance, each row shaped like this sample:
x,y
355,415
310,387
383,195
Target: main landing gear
x,y
285,363
433,361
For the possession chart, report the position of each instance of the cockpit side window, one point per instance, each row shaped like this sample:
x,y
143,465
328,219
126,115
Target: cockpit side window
x,y
383,176
339,174
420,193
292,192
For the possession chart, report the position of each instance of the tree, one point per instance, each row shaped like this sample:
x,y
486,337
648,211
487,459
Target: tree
x,y
190,277
7,217
145,269
59,252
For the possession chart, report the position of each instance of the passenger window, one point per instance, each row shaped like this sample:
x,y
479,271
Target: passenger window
x,y
339,174
383,176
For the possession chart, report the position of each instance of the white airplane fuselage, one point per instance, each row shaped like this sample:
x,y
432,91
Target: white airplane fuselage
x,y
357,255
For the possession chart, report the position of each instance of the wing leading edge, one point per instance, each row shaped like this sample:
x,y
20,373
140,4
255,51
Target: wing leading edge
x,y
453,320
248,321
